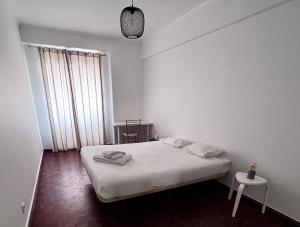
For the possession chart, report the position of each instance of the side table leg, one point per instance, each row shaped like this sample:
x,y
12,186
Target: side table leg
x,y
266,199
231,188
237,199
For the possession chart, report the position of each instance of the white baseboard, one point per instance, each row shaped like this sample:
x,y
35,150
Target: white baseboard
x,y
34,191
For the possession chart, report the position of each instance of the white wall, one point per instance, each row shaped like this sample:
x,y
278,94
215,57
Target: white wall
x,y
20,147
39,97
125,62
227,73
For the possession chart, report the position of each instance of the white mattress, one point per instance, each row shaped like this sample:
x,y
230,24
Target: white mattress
x,y
154,165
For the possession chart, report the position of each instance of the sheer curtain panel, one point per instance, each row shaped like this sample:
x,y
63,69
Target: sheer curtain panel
x,y
73,88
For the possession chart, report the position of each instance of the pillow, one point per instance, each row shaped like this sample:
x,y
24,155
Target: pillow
x,y
203,150
175,142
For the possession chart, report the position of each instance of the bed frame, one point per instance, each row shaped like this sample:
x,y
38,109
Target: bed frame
x,y
159,189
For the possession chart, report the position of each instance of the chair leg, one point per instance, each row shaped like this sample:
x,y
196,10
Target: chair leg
x,y
237,199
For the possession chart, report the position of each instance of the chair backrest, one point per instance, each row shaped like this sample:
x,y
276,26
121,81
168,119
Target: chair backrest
x,y
130,123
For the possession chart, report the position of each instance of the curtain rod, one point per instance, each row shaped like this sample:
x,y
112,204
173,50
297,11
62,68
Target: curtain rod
x,y
63,48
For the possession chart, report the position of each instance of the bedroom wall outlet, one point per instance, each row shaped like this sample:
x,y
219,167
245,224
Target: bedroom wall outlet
x,y
23,207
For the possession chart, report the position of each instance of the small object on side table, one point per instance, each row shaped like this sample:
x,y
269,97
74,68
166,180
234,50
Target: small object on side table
x,y
243,180
252,171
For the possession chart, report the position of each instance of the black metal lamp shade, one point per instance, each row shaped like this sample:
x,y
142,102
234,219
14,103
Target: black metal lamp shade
x,y
132,22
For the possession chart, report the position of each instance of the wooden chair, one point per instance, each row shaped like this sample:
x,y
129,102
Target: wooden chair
x,y
133,131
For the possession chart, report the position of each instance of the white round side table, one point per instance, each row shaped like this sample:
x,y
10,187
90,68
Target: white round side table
x,y
244,182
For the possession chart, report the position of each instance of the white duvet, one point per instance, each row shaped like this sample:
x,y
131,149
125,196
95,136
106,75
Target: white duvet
x,y
154,165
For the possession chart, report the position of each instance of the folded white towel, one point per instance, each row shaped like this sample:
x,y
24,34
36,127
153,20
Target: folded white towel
x,y
113,157
113,154
119,161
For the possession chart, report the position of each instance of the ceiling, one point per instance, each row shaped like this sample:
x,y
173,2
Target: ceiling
x,y
97,16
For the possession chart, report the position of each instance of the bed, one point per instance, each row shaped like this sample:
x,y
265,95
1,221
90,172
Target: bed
x,y
154,167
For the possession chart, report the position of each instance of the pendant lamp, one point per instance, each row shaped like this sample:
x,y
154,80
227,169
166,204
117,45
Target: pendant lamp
x,y
132,22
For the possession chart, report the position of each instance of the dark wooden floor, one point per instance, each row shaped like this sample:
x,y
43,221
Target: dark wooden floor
x,y
66,197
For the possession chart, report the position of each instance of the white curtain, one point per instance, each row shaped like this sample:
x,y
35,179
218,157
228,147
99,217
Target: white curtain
x,y
85,72
75,100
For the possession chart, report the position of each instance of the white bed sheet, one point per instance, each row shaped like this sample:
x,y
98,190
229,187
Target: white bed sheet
x,y
154,165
